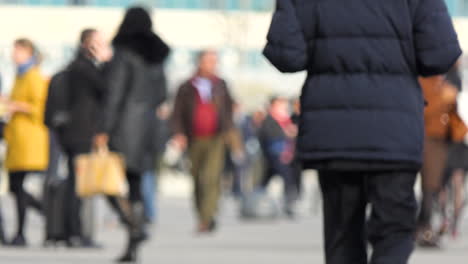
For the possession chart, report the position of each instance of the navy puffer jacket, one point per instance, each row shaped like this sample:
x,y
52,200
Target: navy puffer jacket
x,y
361,99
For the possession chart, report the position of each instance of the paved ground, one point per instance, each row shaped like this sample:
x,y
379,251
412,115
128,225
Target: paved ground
x,y
279,242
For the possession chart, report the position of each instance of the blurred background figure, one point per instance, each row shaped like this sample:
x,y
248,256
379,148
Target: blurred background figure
x,y
444,130
3,240
158,137
26,133
277,138
240,153
84,91
156,140
452,197
137,88
297,165
203,114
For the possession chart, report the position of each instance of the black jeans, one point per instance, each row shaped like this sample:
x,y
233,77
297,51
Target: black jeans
x,y
73,208
392,223
274,166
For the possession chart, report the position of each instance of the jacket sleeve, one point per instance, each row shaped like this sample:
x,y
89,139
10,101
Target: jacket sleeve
x,y
117,78
436,42
162,86
229,103
37,98
176,120
286,48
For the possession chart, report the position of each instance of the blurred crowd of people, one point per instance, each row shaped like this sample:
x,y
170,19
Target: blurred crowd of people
x,y
115,96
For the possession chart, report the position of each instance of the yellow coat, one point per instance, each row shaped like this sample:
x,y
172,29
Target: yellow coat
x,y
26,135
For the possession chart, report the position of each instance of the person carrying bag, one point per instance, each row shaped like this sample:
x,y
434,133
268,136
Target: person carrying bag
x,y
100,172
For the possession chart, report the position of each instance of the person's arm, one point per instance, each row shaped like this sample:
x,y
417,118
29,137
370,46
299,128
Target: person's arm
x,y
117,81
287,47
35,104
176,120
229,104
436,42
163,90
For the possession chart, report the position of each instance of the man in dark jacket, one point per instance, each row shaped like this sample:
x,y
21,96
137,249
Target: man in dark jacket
x,y
86,92
362,123
203,113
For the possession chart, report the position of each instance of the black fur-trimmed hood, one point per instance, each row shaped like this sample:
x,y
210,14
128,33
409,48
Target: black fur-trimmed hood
x,y
136,34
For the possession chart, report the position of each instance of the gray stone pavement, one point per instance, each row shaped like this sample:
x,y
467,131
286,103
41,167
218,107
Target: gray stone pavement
x,y
174,241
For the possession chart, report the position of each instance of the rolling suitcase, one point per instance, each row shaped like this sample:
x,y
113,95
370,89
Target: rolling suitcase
x,y
55,212
55,190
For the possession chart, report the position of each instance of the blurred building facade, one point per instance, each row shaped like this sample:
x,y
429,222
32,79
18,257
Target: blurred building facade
x,y
235,27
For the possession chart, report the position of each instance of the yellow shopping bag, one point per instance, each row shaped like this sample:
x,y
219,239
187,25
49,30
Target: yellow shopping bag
x,y
100,172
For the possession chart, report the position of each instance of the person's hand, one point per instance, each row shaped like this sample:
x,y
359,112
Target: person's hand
x,y
101,140
292,131
163,112
180,141
102,52
449,93
18,107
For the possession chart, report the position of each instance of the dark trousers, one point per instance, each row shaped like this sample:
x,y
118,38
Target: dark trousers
x,y
274,166
73,209
134,186
390,228
23,199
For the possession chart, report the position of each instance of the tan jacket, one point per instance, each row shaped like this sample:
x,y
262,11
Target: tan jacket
x,y
442,120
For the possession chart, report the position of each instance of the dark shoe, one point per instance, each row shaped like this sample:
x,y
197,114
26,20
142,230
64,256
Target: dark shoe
x,y
206,228
131,253
3,241
136,233
73,242
19,242
128,258
428,239
213,226
90,244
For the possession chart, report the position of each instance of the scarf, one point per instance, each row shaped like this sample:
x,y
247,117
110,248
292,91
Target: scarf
x,y
25,67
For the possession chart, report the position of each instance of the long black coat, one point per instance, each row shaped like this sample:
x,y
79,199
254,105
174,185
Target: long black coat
x,y
86,93
361,99
136,89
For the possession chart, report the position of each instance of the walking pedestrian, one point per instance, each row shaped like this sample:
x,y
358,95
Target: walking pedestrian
x,y
362,111
86,91
277,136
26,133
3,240
136,82
203,114
443,128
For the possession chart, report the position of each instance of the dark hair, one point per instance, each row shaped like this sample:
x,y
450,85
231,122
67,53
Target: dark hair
x,y
86,35
136,34
28,44
276,98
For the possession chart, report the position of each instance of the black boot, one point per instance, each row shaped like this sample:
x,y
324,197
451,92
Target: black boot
x,y
136,233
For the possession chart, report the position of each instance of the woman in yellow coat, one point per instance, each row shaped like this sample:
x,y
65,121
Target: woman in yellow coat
x,y
26,134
